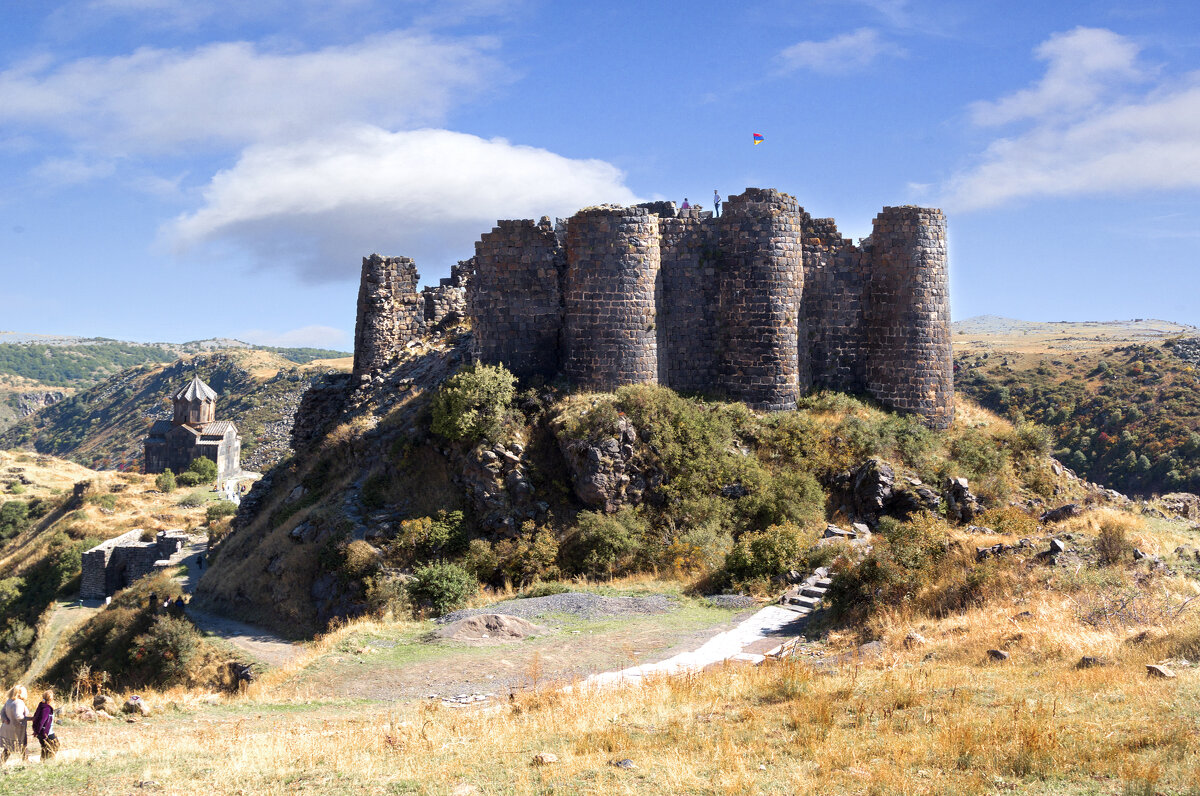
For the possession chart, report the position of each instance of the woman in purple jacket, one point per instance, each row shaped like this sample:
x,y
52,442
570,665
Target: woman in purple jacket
x,y
43,726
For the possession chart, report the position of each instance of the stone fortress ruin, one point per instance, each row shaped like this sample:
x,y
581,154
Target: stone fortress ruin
x,y
759,304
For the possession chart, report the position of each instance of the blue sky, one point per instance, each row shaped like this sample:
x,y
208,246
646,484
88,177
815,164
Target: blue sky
x,y
179,169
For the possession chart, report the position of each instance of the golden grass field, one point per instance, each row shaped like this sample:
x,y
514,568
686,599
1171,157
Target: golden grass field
x,y
931,716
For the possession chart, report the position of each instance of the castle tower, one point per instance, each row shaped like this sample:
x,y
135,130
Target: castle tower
x,y
909,364
763,341
195,404
514,298
390,311
609,334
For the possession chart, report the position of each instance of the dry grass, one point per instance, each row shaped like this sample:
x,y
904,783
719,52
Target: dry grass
x,y
898,725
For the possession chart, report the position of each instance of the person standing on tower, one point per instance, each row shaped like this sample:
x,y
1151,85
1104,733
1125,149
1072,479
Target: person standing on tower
x,y
716,204
685,205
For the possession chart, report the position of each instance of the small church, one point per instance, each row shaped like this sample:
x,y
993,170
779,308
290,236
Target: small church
x,y
193,432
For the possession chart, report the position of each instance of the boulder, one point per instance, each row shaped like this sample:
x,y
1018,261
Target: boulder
x,y
1156,670
998,655
1064,512
961,503
104,702
544,758
1090,661
872,487
1057,546
136,705
600,470
914,639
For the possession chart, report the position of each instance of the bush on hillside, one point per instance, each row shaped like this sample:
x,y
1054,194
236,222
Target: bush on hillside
x,y
14,518
791,497
205,468
1112,542
760,556
531,556
441,587
165,481
428,538
166,653
473,403
604,544
219,510
188,478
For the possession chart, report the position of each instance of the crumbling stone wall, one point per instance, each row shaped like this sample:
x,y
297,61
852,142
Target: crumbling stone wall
x,y
835,279
610,297
909,362
446,303
689,319
764,348
514,298
117,563
390,312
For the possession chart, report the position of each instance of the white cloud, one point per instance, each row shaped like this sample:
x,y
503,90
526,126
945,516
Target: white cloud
x,y
317,206
845,53
235,93
71,171
1084,66
304,337
1103,141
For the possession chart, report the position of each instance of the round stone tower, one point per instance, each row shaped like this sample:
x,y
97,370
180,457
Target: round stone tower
x,y
764,345
909,365
609,336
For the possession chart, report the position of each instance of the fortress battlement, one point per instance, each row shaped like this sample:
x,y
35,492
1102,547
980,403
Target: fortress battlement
x,y
759,304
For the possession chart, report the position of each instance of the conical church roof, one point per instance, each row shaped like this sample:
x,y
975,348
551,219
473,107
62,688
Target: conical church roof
x,y
195,390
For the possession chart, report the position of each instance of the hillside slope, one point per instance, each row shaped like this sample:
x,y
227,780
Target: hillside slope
x,y
1121,401
104,426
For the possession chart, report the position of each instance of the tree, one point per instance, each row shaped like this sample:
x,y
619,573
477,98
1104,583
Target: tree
x,y
472,404
204,467
165,481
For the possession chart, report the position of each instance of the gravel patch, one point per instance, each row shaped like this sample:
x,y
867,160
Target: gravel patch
x,y
576,604
733,602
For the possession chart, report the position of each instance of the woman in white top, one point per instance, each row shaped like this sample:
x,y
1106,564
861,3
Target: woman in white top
x,y
13,719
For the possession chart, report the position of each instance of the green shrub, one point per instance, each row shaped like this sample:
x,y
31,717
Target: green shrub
x,y
768,554
103,501
165,481
187,478
473,403
791,497
222,508
978,453
441,587
903,559
205,468
167,651
605,544
531,556
359,561
428,538
481,560
192,501
14,518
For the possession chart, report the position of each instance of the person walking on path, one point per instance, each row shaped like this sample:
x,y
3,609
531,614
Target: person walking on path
x,y
716,204
15,716
43,726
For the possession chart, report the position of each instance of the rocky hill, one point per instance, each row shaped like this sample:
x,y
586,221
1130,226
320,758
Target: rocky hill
x,y
103,426
1120,400
415,465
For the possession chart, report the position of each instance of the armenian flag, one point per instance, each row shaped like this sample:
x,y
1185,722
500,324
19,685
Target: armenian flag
x,y
758,139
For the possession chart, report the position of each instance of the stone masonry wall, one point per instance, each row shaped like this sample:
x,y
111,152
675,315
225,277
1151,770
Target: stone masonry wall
x,y
908,314
514,298
764,348
689,307
390,312
835,278
446,302
611,289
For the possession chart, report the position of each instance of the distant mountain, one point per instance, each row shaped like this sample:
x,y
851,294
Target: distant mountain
x,y
103,426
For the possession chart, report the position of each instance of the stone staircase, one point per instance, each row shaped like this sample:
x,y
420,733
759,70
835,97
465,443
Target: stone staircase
x,y
804,597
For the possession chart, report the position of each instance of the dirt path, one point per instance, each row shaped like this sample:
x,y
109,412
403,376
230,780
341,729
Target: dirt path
x,y
67,616
262,645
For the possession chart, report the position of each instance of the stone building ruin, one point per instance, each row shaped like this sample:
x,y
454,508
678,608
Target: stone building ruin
x,y
117,563
193,432
759,305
